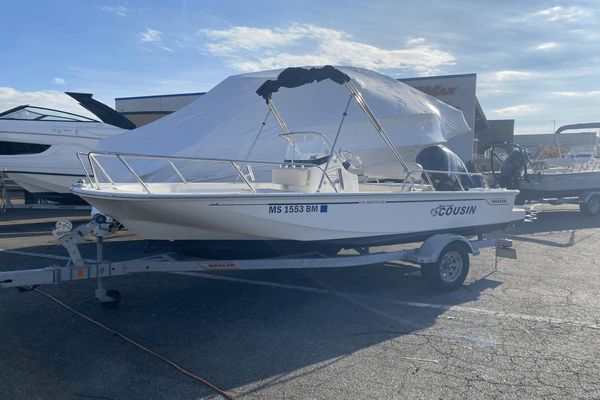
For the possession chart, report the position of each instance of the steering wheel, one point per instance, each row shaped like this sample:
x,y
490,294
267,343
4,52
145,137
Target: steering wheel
x,y
352,162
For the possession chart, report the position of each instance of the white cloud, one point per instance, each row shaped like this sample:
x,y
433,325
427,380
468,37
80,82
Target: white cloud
x,y
518,110
416,41
151,35
10,97
560,14
510,75
547,46
251,49
248,38
58,81
119,10
590,93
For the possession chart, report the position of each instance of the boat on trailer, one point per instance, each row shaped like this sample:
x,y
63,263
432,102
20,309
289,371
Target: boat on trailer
x,y
316,194
553,180
313,195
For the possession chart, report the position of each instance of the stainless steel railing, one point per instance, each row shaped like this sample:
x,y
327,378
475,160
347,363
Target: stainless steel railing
x,y
575,167
96,167
454,176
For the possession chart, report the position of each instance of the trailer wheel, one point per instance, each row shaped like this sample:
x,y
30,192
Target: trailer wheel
x,y
111,305
450,270
591,206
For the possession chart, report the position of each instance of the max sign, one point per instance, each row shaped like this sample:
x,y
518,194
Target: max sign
x,y
438,90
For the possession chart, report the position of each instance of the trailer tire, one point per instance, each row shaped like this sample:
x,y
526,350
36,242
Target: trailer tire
x,y
450,270
591,206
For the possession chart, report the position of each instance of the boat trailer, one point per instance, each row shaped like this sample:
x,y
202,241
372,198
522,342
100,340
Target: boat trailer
x,y
444,261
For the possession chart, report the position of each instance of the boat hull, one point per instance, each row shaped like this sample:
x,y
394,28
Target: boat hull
x,y
346,219
57,168
42,183
544,186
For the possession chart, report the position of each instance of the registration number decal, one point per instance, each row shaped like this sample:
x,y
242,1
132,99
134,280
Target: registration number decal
x,y
298,208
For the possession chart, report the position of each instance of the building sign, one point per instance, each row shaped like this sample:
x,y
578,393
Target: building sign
x,y
459,92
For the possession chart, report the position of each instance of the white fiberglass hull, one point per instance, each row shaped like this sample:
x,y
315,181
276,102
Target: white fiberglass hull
x,y
548,185
57,168
44,182
361,218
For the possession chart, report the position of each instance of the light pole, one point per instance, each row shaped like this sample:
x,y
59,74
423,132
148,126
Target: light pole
x,y
556,136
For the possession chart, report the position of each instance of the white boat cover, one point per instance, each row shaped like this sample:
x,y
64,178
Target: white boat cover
x,y
224,122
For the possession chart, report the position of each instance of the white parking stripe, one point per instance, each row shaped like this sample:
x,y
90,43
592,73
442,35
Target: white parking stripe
x,y
404,303
463,309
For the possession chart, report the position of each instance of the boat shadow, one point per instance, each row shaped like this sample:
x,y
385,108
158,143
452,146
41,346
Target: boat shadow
x,y
249,328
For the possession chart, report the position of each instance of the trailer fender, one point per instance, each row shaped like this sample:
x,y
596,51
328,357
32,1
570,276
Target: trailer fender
x,y
430,250
584,198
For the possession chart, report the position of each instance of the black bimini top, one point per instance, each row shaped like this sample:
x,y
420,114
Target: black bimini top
x,y
296,76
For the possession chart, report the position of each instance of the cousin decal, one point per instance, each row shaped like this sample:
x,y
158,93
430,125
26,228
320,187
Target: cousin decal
x,y
450,209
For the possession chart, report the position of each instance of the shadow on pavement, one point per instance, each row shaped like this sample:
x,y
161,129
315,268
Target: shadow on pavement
x,y
232,332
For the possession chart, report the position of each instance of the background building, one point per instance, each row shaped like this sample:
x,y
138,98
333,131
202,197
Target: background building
x,y
459,91
142,110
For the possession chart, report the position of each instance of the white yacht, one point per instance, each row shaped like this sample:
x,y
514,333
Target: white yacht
x,y
38,146
317,192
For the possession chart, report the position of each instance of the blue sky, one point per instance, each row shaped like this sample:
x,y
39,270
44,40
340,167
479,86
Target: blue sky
x,y
537,61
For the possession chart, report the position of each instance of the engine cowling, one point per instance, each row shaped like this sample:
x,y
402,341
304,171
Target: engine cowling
x,y
515,165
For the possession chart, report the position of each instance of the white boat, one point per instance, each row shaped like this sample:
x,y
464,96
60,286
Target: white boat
x,y
38,146
575,176
315,194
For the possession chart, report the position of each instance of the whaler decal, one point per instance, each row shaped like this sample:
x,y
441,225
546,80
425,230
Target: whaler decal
x,y
222,265
450,209
498,201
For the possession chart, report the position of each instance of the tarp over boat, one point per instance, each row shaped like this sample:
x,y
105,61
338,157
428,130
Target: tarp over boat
x,y
224,122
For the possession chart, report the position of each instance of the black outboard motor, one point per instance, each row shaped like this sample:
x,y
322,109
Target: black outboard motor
x,y
441,158
514,166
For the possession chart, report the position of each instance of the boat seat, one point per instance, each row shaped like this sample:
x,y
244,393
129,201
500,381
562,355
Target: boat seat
x,y
290,176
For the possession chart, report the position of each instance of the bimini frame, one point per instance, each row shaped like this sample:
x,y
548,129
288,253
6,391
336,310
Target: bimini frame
x,y
294,77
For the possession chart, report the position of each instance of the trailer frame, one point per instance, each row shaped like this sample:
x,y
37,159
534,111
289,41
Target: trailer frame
x,y
430,252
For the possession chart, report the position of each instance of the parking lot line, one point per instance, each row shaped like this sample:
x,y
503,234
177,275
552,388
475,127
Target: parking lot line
x,y
404,303
413,304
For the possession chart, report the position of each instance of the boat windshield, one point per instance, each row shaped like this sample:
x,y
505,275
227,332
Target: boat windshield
x,y
31,113
307,147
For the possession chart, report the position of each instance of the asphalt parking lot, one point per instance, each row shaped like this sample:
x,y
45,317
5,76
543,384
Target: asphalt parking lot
x,y
529,329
